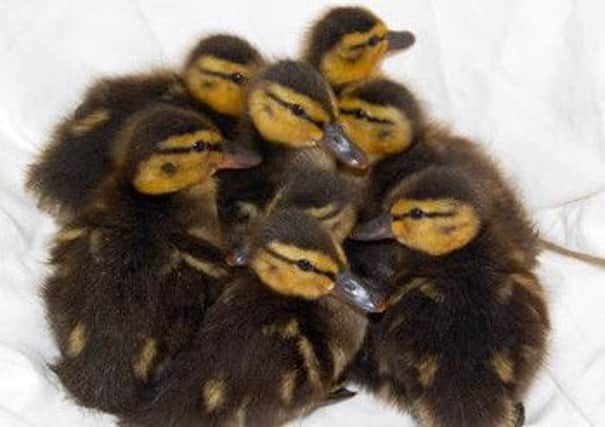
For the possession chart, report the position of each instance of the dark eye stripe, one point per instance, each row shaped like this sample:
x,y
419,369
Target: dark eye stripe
x,y
426,215
199,147
293,107
354,112
236,78
372,41
314,269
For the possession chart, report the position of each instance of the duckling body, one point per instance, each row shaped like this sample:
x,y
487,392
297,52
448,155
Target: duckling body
x,y
275,343
78,157
465,330
136,268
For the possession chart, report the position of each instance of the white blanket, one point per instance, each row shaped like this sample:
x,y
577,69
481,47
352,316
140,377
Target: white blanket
x,y
526,78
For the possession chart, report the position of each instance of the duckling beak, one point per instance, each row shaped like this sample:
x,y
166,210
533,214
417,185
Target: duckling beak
x,y
356,292
344,150
378,228
399,40
237,157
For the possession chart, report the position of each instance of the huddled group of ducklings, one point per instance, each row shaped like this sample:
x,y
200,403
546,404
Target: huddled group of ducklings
x,y
241,240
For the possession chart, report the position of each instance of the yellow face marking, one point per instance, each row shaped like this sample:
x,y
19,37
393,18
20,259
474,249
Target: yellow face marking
x,y
76,340
311,364
455,225
204,267
69,234
214,394
144,361
427,368
384,130
287,386
279,124
352,59
210,80
286,278
91,121
503,367
163,173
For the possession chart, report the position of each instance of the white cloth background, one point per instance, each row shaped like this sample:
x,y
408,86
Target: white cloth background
x,y
526,78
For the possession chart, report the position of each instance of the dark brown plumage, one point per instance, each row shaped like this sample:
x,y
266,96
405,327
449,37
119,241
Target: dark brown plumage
x,y
265,354
78,157
466,327
134,272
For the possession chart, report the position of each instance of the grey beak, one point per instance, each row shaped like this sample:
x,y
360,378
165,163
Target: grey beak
x,y
344,150
378,228
356,292
235,156
399,40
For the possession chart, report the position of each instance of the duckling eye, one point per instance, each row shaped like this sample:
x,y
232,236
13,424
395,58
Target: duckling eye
x,y
416,213
360,114
169,168
373,41
304,265
199,146
237,77
298,110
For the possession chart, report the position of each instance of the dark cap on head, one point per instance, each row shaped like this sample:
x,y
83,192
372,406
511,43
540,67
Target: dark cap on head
x,y
225,46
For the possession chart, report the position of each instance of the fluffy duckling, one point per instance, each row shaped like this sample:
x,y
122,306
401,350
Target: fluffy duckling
x,y
291,118
78,157
465,330
348,44
134,270
388,123
275,343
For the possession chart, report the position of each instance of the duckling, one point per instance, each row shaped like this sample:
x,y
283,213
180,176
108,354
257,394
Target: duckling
x,y
274,344
78,157
385,119
348,44
291,118
465,330
135,269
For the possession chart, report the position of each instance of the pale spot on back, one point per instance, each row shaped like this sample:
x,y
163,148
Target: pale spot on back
x,y
69,234
310,361
339,358
144,361
287,386
503,367
529,283
214,394
86,124
76,340
427,368
94,243
429,290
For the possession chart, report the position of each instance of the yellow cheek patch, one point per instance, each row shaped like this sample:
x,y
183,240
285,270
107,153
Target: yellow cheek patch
x,y
76,340
352,58
144,361
288,279
93,120
208,80
169,172
436,235
277,123
376,138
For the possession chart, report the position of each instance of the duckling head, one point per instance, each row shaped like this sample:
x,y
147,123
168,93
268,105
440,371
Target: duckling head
x,y
348,44
435,212
165,149
217,70
291,105
295,256
381,117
